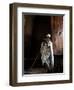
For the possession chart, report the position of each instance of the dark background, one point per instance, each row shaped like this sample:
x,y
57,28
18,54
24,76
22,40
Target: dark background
x,y
36,28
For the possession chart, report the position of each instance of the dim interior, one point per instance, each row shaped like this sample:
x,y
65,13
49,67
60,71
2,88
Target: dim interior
x,y
36,27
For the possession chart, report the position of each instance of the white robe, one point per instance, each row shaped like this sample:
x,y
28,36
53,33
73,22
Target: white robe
x,y
47,54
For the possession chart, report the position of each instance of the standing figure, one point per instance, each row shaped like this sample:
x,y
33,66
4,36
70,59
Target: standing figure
x,y
46,51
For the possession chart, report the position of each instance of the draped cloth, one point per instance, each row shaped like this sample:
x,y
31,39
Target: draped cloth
x,y
47,57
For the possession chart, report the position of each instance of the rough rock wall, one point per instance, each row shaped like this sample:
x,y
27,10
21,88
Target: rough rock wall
x,y
57,34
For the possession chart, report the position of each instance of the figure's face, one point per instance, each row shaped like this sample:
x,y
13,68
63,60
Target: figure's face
x,y
48,39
